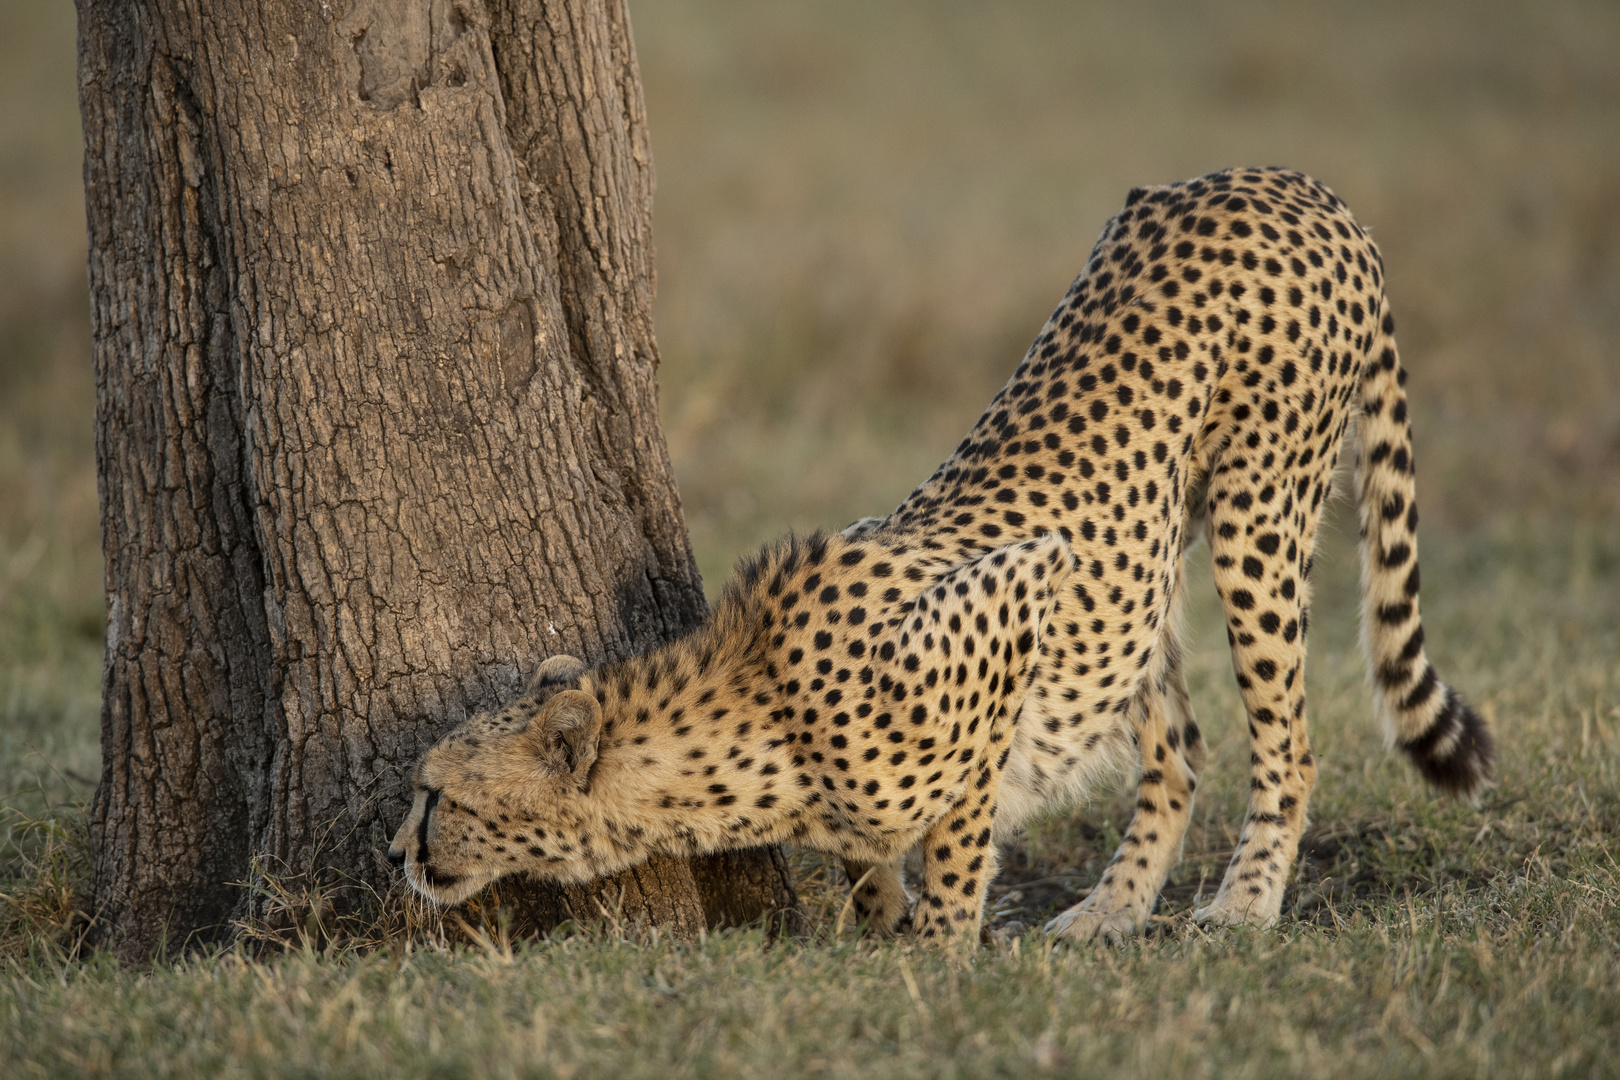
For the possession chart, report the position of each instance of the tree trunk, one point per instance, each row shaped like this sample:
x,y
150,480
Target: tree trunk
x,y
377,424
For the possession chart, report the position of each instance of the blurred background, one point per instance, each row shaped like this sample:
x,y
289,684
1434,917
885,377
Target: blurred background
x,y
866,210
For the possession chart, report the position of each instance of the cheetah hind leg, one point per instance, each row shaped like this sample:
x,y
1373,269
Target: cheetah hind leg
x,y
1263,592
1171,751
878,897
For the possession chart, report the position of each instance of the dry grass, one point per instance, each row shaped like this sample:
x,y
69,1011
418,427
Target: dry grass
x,y
865,212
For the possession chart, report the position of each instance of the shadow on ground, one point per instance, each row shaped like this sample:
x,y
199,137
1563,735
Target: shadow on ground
x,y
1341,870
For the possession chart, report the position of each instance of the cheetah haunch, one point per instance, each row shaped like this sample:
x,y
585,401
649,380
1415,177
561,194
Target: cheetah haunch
x,y
1008,633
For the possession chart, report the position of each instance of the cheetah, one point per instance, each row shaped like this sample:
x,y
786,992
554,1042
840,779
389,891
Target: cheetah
x,y
1198,377
849,696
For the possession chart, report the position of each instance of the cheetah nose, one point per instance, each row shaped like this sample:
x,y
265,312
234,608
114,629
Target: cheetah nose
x,y
397,857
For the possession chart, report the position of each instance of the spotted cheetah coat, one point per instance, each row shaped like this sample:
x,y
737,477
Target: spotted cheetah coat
x,y
1199,376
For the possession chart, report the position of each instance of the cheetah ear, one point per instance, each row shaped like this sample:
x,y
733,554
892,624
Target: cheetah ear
x,y
566,732
555,673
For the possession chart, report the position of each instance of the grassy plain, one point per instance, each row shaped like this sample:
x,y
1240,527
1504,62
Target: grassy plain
x,y
865,212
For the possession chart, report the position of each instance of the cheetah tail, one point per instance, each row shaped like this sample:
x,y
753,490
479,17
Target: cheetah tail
x,y
1446,739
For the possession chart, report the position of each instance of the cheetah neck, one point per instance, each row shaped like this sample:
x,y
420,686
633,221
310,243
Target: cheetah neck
x,y
695,742
702,746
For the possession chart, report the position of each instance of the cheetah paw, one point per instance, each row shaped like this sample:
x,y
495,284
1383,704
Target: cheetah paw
x,y
1224,913
1080,924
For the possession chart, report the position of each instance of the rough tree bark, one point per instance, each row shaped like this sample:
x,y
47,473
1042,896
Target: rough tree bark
x,y
371,288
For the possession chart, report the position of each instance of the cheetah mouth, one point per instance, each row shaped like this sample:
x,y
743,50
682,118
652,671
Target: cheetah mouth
x,y
439,882
440,889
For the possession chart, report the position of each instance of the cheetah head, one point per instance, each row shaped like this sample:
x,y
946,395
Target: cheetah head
x,y
505,792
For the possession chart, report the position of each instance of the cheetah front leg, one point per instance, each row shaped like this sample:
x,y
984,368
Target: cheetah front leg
x,y
878,895
959,861
958,864
1167,738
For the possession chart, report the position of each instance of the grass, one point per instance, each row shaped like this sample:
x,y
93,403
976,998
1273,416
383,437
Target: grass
x,y
1526,990
865,212
1422,937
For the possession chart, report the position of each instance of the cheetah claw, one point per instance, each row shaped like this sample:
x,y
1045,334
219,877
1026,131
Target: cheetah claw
x,y
1079,924
1223,914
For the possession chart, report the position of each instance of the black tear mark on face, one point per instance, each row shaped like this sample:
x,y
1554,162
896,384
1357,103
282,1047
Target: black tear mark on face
x,y
434,879
422,827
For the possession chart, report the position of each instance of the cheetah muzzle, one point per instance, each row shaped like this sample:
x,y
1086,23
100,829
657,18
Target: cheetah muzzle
x,y
1009,634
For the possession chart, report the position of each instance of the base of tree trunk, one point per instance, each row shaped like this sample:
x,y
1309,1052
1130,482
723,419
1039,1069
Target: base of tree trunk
x,y
376,432
739,888
683,898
